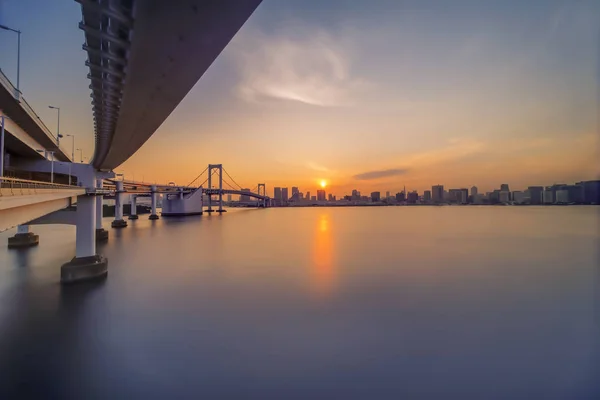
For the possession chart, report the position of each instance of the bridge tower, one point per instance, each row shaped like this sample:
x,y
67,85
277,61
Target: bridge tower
x,y
262,191
219,169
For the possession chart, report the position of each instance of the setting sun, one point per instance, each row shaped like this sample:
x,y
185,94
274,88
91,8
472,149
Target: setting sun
x,y
323,183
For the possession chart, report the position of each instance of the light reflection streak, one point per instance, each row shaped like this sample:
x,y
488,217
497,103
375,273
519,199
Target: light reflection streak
x,y
323,274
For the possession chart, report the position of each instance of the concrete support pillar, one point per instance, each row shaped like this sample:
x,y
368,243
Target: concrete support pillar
x,y
86,264
133,212
23,238
153,215
101,233
119,222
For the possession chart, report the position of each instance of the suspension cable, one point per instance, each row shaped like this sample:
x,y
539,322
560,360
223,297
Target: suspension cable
x,y
233,180
195,179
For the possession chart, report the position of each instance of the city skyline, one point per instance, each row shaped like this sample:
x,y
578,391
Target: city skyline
x,y
368,96
581,192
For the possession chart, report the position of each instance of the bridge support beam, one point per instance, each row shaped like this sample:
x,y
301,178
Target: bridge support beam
x,y
101,233
133,212
86,264
153,215
119,222
23,238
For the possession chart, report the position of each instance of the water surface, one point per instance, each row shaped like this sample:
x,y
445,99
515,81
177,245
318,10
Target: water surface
x,y
321,303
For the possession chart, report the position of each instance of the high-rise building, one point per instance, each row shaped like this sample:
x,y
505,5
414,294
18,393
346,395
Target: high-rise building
x,y
412,197
535,194
518,196
549,195
437,193
313,198
307,196
474,191
427,195
504,196
284,195
375,196
400,197
277,195
504,187
459,196
295,193
591,191
321,195
330,198
355,195
562,196
575,193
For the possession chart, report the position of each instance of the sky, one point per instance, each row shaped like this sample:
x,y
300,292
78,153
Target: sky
x,y
376,95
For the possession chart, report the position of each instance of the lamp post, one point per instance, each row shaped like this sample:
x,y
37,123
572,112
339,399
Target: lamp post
x,y
80,155
51,162
72,155
2,147
18,32
58,135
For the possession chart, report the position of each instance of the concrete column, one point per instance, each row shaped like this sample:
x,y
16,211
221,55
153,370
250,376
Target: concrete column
x,y
86,264
86,222
153,215
119,222
133,213
23,238
101,233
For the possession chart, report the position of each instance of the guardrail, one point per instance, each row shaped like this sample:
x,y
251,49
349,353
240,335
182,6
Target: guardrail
x,y
19,187
28,109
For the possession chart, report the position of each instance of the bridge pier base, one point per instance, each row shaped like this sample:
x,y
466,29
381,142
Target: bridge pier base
x,y
133,212
87,264
101,233
119,222
153,214
23,238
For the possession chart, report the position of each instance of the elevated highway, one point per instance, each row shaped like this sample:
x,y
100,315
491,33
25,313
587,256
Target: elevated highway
x,y
144,57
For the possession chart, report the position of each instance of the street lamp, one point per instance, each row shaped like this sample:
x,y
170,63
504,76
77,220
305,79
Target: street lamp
x,y
2,146
80,155
58,135
72,155
6,28
51,162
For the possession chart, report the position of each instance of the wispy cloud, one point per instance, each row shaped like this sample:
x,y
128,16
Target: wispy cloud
x,y
317,167
385,173
315,69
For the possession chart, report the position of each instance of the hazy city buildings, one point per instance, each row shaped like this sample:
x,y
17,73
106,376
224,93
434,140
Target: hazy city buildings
x,y
284,195
427,196
321,195
412,197
535,194
437,193
244,197
277,196
584,192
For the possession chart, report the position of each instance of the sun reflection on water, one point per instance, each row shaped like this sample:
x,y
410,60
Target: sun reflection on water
x,y
323,274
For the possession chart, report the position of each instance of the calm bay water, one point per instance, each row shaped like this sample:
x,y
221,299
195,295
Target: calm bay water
x,y
320,303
